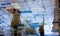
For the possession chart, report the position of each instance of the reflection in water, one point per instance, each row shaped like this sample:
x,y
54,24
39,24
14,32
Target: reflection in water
x,y
34,18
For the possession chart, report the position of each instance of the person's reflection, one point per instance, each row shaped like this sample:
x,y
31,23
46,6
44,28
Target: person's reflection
x,y
41,30
16,19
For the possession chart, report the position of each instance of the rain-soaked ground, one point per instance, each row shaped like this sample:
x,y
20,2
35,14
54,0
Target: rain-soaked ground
x,y
36,9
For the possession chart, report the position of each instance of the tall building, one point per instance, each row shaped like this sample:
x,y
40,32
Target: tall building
x,y
56,22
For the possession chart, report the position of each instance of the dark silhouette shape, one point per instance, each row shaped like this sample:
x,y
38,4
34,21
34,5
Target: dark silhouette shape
x,y
41,31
